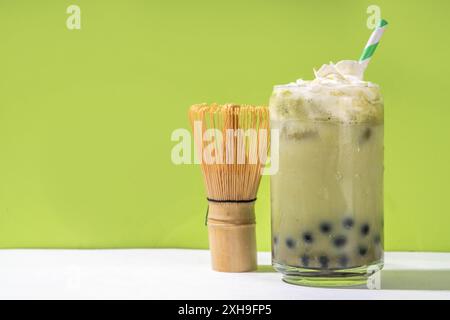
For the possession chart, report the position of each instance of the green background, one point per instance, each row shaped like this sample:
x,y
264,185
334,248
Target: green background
x,y
86,115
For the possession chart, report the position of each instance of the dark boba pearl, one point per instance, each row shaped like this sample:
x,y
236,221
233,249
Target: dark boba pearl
x,y
308,237
348,223
343,261
365,229
290,243
377,239
366,135
362,250
305,260
325,227
323,260
339,241
275,240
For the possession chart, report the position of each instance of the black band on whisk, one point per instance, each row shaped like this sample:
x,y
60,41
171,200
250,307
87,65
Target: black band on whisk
x,y
231,201
224,201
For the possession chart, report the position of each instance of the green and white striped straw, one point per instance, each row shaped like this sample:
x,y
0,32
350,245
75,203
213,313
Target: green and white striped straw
x,y
372,44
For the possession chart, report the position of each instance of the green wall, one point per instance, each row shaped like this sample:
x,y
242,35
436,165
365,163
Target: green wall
x,y
86,115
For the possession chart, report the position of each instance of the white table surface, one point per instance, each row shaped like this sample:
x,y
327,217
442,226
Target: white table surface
x,y
186,274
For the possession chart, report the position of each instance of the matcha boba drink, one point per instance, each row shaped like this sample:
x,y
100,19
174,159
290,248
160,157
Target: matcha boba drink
x,y
327,197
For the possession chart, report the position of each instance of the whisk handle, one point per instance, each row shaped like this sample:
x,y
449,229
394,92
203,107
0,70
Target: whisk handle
x,y
232,236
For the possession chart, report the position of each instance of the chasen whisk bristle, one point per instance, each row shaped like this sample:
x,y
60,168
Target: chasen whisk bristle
x,y
232,146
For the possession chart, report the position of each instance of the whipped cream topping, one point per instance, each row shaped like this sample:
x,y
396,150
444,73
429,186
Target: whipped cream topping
x,y
338,93
345,72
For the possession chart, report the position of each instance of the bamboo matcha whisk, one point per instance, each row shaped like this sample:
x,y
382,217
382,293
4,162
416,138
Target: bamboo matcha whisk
x,y
232,143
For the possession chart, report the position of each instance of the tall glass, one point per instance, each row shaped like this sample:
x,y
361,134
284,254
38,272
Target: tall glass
x,y
327,197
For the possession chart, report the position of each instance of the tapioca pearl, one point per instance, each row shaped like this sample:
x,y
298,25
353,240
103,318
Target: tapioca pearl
x,y
305,260
339,241
367,133
377,239
365,229
275,240
348,223
290,243
362,251
343,260
323,261
308,237
325,227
